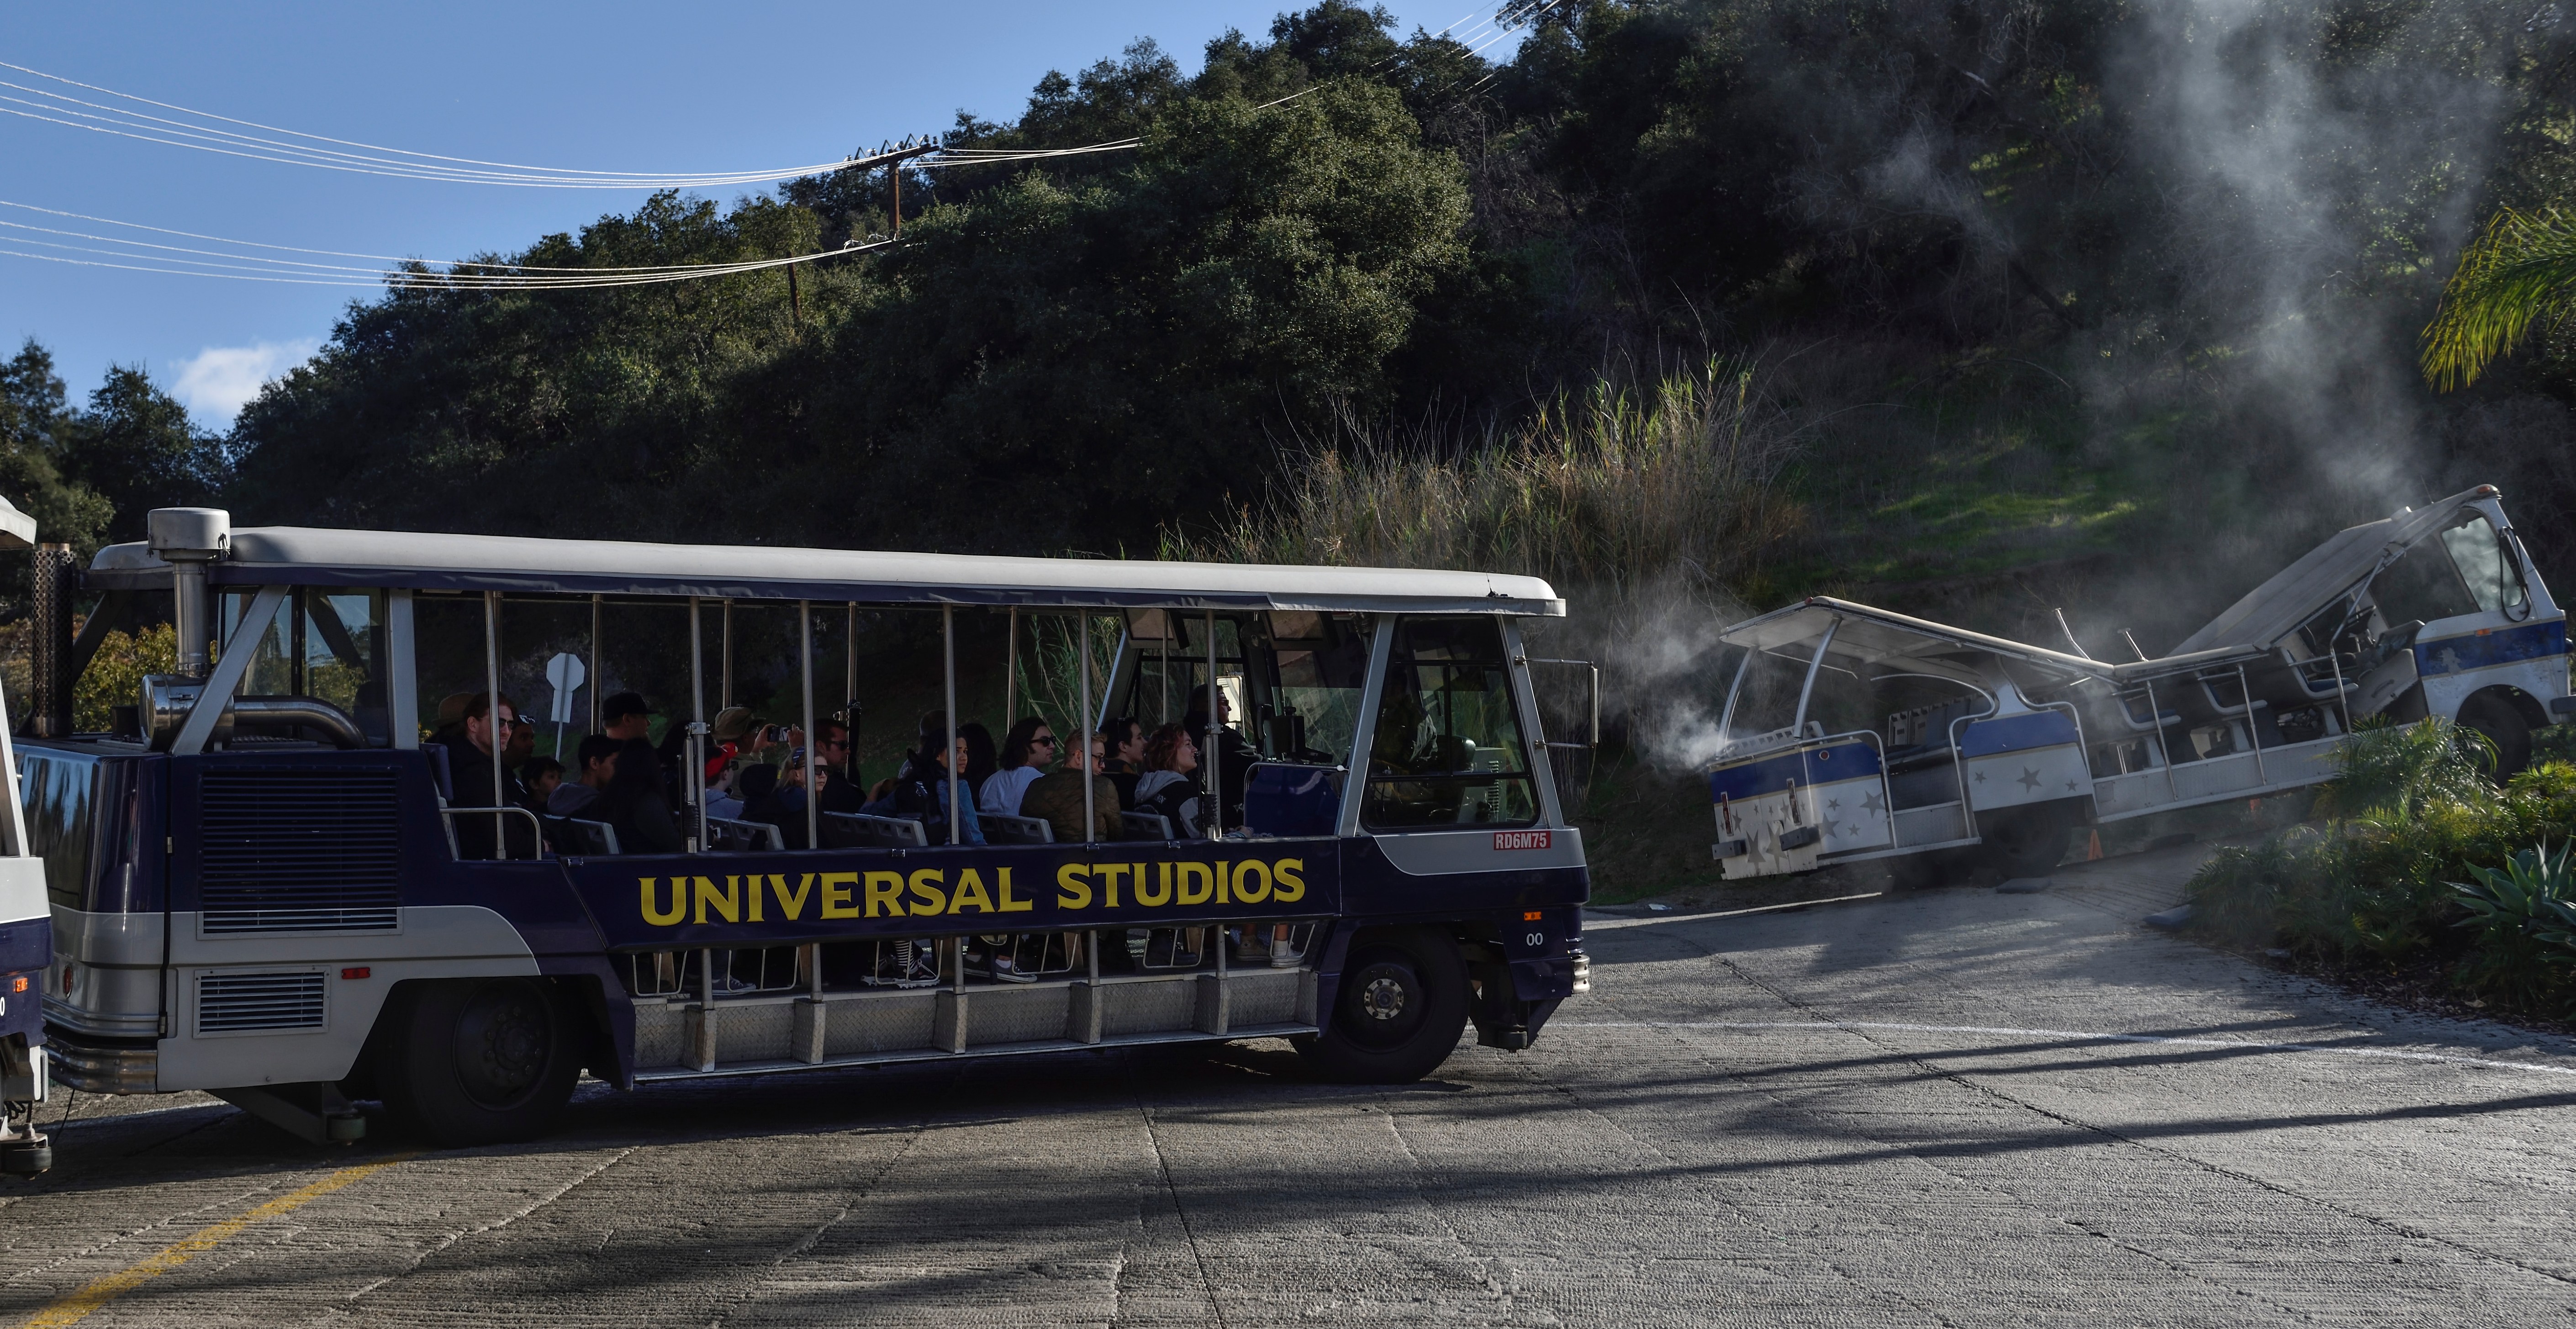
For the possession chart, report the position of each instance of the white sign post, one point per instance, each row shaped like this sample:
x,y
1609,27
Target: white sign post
x,y
565,673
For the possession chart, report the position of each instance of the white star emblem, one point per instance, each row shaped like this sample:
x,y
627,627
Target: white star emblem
x,y
1871,802
2029,779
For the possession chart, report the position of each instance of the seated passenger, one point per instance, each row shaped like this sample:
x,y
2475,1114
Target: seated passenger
x,y
1235,754
1126,763
763,802
841,790
981,759
629,719
1170,784
724,785
633,803
542,776
1026,750
470,766
1057,798
921,792
598,757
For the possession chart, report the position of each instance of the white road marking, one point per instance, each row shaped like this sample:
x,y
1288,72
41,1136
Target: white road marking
x,y
2231,1044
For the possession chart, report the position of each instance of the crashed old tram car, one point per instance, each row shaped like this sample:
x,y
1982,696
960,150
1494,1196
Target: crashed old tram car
x,y
264,881
1852,733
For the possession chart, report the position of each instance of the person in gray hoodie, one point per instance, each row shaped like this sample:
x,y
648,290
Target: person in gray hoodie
x,y
598,757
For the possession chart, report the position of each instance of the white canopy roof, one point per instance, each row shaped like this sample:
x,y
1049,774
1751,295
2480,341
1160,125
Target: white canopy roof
x,y
2327,573
1864,635
316,556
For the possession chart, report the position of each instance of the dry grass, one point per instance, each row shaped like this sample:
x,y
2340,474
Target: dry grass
x,y
1616,494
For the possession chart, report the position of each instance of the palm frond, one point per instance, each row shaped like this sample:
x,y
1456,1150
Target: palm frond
x,y
2521,271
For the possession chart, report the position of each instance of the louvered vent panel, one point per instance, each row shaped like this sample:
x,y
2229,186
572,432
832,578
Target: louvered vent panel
x,y
235,1003
300,849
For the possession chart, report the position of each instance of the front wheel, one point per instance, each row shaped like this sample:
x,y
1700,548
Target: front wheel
x,y
1401,1006
2503,727
2028,841
477,1061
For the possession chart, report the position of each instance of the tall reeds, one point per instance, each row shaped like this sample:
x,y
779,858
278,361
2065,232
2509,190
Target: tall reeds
x,y
1619,493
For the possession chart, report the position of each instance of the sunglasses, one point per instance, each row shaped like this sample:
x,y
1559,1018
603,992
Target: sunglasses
x,y
1046,740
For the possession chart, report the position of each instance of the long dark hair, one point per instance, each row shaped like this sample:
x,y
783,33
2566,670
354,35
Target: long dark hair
x,y
1016,744
979,754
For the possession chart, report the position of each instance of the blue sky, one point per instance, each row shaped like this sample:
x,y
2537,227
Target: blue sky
x,y
648,86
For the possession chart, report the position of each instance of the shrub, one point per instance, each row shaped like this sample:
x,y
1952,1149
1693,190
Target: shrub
x,y
2525,922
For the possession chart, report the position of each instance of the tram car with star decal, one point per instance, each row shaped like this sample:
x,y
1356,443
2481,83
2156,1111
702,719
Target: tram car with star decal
x,y
1851,733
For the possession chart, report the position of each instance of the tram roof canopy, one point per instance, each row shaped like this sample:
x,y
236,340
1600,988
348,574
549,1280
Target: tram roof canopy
x,y
1864,635
319,556
2272,611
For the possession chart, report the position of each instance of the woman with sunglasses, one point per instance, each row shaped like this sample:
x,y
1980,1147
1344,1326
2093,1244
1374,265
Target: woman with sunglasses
x,y
1026,752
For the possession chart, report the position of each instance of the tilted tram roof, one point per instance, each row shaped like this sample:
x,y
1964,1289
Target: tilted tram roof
x,y
319,556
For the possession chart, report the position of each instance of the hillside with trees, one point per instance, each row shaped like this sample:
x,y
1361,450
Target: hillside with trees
x,y
1976,306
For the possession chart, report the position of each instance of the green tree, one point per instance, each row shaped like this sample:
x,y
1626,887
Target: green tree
x,y
135,447
2520,272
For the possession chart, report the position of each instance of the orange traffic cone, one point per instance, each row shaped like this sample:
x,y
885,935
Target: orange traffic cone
x,y
2093,850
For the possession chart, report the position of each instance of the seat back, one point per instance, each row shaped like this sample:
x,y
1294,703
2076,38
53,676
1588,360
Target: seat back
x,y
1002,829
726,834
1145,825
588,837
859,830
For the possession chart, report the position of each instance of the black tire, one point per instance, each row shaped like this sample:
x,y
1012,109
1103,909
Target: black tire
x,y
478,1060
1401,1006
2504,726
2028,841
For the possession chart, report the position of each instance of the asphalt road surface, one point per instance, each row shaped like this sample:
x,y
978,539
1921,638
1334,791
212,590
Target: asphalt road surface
x,y
1887,1111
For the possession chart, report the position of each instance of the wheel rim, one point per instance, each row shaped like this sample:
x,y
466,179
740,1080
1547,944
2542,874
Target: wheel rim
x,y
1383,1004
504,1039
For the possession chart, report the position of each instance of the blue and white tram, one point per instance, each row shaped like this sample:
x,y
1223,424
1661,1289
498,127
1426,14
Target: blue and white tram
x,y
1853,733
274,906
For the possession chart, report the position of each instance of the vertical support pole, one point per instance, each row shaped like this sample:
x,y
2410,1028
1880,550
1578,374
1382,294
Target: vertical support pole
x,y
1798,722
1082,741
813,787
2253,736
724,679
702,1044
1011,671
597,607
2341,701
956,778
1163,674
296,646
1215,761
697,728
2164,745
1734,691
492,716
850,686
894,187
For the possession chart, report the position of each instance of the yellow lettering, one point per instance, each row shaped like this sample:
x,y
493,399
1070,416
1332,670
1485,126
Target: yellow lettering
x,y
756,897
1203,875
1110,875
1246,894
1010,905
793,905
884,889
679,902
1291,887
1224,880
970,890
836,894
925,888
1073,886
729,904
1162,886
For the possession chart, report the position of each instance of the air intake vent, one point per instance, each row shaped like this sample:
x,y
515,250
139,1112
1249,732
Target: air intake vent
x,y
299,849
240,1003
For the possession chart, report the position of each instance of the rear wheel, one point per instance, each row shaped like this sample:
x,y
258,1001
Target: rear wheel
x,y
2504,727
1398,1013
477,1061
2028,841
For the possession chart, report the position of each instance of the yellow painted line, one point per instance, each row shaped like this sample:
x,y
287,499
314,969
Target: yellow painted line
x,y
101,1291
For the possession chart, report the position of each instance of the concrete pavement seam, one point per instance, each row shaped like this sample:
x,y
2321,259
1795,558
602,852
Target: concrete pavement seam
x,y
1171,1188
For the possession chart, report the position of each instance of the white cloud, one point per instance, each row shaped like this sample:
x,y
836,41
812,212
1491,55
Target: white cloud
x,y
219,380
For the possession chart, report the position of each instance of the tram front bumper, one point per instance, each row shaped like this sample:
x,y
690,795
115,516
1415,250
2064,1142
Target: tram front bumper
x,y
104,1068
